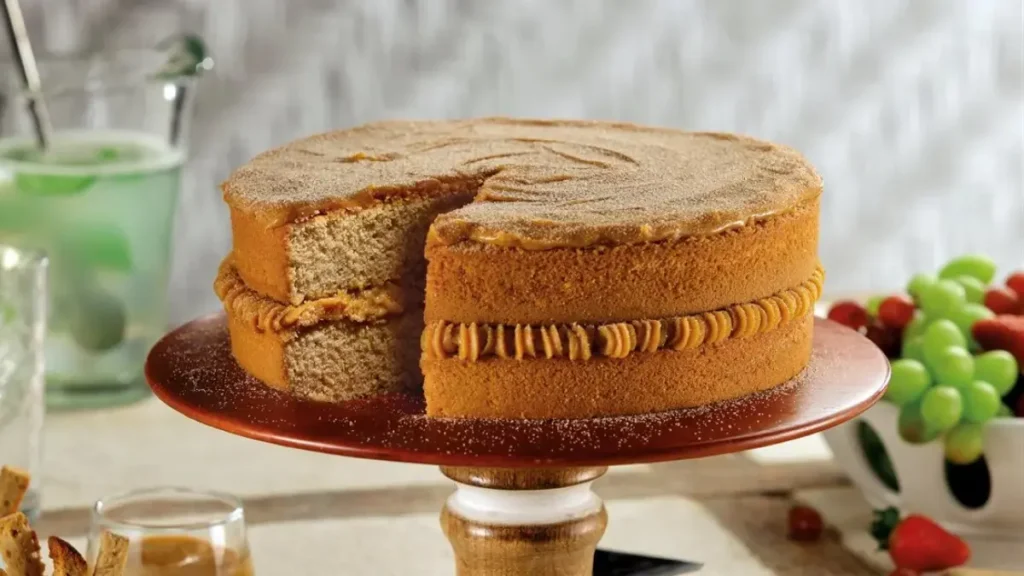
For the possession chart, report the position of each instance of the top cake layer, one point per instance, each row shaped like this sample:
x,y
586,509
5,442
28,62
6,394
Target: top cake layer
x,y
541,184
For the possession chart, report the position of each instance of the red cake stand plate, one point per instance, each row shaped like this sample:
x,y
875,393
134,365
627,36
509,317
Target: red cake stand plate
x,y
505,468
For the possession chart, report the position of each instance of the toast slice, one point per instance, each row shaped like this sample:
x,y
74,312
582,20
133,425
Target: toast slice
x,y
19,546
13,486
113,555
66,560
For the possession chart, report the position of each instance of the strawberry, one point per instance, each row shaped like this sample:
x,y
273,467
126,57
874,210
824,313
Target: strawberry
x,y
887,338
918,543
1004,332
896,312
1016,283
849,313
1002,300
805,524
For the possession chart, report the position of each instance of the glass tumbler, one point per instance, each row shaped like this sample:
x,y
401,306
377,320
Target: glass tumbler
x,y
22,330
100,203
174,532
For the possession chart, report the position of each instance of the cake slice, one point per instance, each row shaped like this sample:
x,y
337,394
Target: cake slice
x,y
546,268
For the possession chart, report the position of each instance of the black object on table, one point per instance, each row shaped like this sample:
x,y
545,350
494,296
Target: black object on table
x,y
609,563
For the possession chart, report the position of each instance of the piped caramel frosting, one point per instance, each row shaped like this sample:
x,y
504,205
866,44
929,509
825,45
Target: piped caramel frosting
x,y
540,184
472,342
269,315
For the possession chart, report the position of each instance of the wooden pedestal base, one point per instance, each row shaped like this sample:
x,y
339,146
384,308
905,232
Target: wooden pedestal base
x,y
524,522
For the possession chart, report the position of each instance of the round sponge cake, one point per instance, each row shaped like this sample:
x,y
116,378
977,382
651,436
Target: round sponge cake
x,y
573,269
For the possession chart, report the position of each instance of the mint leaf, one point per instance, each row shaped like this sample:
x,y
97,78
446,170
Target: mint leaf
x,y
50,185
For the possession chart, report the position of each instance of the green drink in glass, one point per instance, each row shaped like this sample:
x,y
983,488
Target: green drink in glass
x,y
100,203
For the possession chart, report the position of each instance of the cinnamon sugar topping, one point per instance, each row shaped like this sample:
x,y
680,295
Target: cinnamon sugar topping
x,y
540,184
620,339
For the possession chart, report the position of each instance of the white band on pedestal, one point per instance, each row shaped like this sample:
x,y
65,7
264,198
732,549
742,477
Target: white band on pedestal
x,y
523,507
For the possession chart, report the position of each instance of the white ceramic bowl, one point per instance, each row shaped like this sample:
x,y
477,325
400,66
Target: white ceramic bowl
x,y
995,530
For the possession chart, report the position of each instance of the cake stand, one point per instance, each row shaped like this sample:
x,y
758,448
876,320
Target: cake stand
x,y
523,503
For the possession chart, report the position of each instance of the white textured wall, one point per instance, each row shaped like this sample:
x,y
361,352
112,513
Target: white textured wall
x,y
912,110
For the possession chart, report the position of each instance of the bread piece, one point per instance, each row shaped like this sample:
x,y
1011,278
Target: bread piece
x,y
113,555
13,487
19,546
66,560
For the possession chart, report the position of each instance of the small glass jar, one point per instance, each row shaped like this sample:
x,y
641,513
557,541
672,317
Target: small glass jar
x,y
173,532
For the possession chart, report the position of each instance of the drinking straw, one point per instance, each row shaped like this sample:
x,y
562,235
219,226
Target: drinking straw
x,y
26,62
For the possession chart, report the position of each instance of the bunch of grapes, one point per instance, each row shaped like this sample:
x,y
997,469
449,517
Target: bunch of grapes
x,y
943,383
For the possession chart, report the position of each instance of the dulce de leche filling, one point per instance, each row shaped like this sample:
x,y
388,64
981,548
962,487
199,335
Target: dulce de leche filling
x,y
472,342
266,314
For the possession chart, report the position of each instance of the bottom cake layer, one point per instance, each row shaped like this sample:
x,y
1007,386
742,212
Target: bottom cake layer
x,y
637,384
332,362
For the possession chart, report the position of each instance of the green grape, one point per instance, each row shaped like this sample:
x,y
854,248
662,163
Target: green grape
x,y
873,304
919,283
1004,411
976,266
966,316
939,335
964,443
912,426
973,288
942,407
914,349
981,402
917,325
998,368
952,367
908,382
942,298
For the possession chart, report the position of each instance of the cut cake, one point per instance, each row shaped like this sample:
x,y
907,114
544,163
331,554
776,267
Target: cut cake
x,y
526,269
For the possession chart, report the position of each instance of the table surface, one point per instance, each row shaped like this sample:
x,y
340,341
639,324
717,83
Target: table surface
x,y
313,513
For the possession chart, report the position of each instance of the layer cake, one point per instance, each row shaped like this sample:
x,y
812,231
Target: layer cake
x,y
523,269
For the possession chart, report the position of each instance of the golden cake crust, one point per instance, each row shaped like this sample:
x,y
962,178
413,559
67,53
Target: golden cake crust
x,y
472,283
